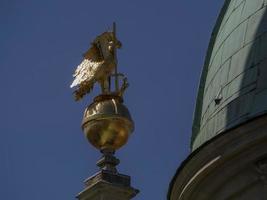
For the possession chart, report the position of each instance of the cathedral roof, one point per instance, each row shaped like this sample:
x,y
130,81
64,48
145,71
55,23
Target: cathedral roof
x,y
233,85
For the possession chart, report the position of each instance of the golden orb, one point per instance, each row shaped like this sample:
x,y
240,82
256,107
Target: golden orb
x,y
107,123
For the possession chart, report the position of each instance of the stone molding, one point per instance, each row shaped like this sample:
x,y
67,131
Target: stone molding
x,y
225,166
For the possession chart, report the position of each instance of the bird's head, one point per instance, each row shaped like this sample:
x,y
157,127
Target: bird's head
x,y
114,44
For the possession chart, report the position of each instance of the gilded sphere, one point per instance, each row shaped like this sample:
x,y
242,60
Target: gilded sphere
x,y
107,123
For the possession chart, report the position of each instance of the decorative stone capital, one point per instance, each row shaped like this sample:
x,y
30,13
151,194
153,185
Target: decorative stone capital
x,y
108,186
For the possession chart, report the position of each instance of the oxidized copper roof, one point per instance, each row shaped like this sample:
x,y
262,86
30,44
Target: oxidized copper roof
x,y
233,86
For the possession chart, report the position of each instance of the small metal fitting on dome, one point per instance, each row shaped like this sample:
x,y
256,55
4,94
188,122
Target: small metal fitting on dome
x,y
218,97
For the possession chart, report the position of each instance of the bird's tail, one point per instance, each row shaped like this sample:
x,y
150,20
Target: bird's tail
x,y
82,90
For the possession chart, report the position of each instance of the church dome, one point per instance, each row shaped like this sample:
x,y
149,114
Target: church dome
x,y
233,85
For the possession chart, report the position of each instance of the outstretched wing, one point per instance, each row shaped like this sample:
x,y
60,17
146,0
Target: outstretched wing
x,y
86,71
99,62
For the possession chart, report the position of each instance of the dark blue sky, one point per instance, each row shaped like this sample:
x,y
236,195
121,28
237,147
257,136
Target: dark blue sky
x,y
43,153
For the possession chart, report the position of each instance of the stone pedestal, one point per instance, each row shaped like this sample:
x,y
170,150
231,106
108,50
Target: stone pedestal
x,y
108,184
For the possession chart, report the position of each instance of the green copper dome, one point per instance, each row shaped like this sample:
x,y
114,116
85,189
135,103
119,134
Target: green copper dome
x,y
233,85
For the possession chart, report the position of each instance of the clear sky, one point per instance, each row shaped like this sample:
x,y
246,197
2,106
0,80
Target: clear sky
x,y
43,153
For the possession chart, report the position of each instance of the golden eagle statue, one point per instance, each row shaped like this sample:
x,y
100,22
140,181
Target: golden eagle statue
x,y
99,65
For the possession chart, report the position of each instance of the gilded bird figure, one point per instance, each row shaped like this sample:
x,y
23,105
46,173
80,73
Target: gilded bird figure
x,y
97,66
